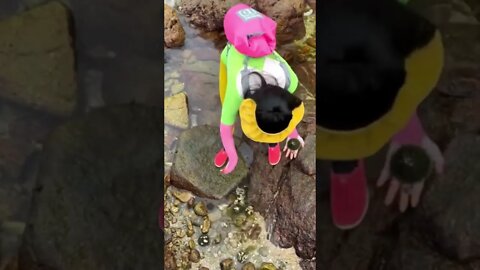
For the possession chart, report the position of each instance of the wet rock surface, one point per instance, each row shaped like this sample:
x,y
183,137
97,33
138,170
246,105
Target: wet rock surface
x,y
193,167
38,60
274,188
450,207
98,179
208,15
173,33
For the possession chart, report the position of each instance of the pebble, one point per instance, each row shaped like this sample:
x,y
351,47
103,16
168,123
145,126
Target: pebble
x,y
191,202
203,268
197,221
263,251
248,266
206,225
254,232
191,244
200,209
226,264
183,196
268,266
204,240
239,220
194,256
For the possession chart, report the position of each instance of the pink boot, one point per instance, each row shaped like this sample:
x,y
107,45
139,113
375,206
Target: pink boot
x,y
349,197
221,158
274,154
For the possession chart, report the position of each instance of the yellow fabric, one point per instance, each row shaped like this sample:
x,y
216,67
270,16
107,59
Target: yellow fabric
x,y
222,82
423,68
251,129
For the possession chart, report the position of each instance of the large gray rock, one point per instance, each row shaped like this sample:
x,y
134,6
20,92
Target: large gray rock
x,y
98,193
450,210
193,167
37,59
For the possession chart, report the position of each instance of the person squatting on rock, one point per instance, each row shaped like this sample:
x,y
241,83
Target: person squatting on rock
x,y
258,84
377,61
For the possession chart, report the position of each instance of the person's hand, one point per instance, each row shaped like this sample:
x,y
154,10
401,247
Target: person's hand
x,y
409,193
293,153
231,164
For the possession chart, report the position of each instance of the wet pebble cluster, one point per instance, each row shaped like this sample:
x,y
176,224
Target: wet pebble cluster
x,y
206,234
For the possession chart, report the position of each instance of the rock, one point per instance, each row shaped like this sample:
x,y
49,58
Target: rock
x,y
209,14
268,266
194,256
40,35
193,167
226,264
86,204
411,254
176,111
271,189
248,266
169,260
448,215
174,34
183,196
289,17
200,209
306,156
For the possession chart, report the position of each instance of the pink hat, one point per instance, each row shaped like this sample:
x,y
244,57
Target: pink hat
x,y
249,31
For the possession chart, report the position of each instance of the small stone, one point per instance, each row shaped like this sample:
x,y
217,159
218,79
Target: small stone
x,y
190,233
231,198
226,264
167,237
191,244
197,221
191,202
174,220
311,42
200,209
206,225
263,251
181,233
174,209
183,196
204,240
268,266
254,232
237,209
194,256
217,239
248,266
239,220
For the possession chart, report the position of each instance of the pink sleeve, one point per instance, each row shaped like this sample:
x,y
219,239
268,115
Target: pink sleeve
x,y
412,132
226,134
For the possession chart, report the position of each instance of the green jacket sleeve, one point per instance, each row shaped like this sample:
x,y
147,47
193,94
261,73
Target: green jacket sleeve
x,y
232,101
